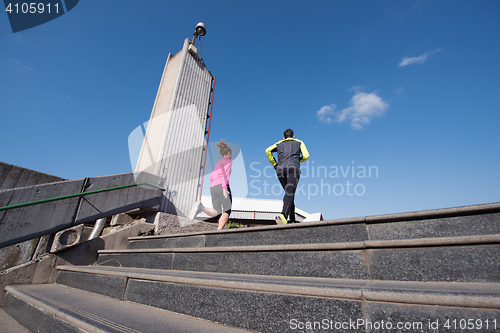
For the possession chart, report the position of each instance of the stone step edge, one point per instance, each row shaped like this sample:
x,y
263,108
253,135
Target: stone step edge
x,y
417,215
48,306
10,324
76,317
375,244
455,294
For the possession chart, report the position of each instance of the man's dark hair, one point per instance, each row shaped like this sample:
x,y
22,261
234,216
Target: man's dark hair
x,y
288,134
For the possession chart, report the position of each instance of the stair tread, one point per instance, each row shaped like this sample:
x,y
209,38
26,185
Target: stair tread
x,y
385,218
470,294
10,325
396,243
88,310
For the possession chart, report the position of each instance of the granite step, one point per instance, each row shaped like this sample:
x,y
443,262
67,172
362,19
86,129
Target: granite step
x,y
281,304
443,259
468,221
10,325
54,308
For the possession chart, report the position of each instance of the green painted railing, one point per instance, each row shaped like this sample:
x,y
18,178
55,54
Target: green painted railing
x,y
81,194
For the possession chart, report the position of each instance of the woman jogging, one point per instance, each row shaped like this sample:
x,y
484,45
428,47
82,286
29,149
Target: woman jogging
x,y
219,189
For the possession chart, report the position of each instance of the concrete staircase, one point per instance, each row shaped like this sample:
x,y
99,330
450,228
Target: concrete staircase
x,y
431,271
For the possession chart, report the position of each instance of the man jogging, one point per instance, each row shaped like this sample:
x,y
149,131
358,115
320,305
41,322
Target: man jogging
x,y
291,152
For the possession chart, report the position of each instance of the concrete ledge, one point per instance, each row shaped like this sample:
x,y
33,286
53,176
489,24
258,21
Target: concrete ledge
x,y
256,229
404,243
426,242
418,215
56,320
421,260
12,176
111,286
10,325
470,228
38,271
23,223
258,248
321,287
56,308
340,264
255,311
434,213
474,295
42,270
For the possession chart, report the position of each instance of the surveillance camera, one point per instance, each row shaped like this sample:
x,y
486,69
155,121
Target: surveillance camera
x,y
201,29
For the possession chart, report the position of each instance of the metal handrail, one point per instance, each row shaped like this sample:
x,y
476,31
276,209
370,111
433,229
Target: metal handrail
x,y
81,194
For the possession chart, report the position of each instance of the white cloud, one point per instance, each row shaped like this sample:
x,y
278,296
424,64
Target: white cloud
x,y
363,108
399,90
416,60
20,67
63,98
325,112
417,6
20,39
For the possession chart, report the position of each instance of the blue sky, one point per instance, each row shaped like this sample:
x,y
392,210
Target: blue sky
x,y
405,89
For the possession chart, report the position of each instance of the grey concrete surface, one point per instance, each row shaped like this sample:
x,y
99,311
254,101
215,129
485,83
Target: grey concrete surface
x,y
340,288
437,213
435,259
420,318
430,224
261,312
175,242
341,264
16,254
12,176
432,269
86,253
38,271
35,319
477,263
10,325
168,224
24,223
67,238
179,111
140,260
109,203
480,295
106,285
233,299
42,270
472,295
261,236
52,305
457,226
305,235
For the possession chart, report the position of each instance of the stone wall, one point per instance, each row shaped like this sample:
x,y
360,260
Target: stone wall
x,y
12,176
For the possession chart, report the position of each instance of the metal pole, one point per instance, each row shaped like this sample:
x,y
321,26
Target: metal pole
x,y
96,232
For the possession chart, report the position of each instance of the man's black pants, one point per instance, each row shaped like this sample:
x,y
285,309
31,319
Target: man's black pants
x,y
289,179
